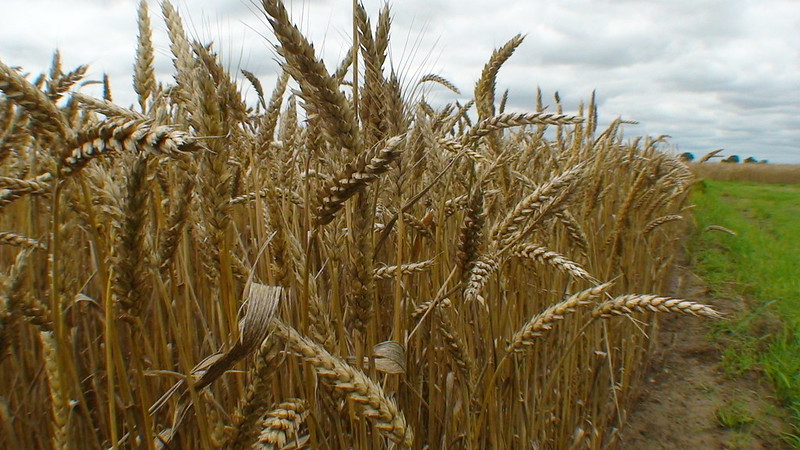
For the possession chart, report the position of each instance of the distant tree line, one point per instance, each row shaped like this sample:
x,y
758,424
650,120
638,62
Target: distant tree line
x,y
688,157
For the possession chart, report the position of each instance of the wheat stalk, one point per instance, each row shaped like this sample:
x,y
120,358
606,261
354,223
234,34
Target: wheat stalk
x,y
15,188
709,155
176,223
720,228
273,108
254,404
153,248
485,87
351,382
456,346
144,78
182,57
576,233
471,233
438,79
106,107
12,299
62,82
130,282
59,404
477,276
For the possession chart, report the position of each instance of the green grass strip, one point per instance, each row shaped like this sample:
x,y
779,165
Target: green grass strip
x,y
762,265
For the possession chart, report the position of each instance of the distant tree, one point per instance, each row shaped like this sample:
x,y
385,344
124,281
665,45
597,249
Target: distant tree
x,y
763,161
731,159
751,160
686,157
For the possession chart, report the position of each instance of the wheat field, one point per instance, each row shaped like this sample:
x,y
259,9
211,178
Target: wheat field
x,y
754,173
337,265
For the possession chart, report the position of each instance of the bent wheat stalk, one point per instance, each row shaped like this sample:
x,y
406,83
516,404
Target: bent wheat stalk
x,y
544,321
627,304
353,383
658,221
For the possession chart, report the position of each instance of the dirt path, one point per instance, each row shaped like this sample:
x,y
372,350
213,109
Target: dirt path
x,y
687,396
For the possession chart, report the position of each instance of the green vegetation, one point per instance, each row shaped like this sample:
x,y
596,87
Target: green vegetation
x,y
760,264
734,414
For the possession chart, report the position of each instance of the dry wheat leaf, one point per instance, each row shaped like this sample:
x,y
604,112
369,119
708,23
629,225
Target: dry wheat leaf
x,y
390,357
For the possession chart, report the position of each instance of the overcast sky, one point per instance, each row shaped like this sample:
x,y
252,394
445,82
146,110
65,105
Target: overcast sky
x,y
710,73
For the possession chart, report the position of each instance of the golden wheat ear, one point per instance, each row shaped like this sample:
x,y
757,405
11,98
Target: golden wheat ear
x,y
403,228
543,255
627,304
354,179
438,79
537,205
485,87
477,276
659,221
510,120
15,188
144,76
281,425
44,113
124,135
183,60
105,107
317,87
58,391
18,240
543,322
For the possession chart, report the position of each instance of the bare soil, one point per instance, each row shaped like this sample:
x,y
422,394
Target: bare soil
x,y
686,396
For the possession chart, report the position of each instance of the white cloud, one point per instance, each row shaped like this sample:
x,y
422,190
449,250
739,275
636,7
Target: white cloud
x,y
710,73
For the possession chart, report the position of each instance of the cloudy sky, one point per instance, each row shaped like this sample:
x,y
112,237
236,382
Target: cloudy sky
x,y
709,73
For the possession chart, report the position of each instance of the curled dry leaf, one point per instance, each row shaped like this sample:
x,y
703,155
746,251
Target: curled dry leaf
x,y
261,302
390,357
